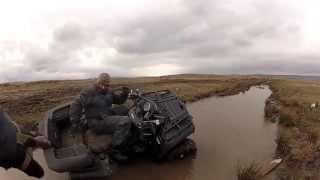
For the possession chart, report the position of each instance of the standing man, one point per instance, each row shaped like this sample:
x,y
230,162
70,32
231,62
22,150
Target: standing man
x,y
16,148
93,110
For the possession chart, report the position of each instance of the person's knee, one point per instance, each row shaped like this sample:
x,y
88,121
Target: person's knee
x,y
95,126
125,122
98,129
120,110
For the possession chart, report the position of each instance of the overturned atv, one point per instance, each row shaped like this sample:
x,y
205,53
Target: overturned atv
x,y
161,127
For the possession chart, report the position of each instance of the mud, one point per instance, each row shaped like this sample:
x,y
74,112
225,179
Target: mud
x,y
229,131
272,109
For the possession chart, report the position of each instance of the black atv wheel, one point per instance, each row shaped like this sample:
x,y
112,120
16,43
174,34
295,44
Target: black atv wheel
x,y
187,148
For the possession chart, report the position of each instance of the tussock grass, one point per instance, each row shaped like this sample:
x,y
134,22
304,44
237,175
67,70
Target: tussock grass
x,y
283,141
249,172
299,139
286,119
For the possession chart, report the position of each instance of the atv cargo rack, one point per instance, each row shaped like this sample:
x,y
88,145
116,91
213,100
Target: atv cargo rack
x,y
178,125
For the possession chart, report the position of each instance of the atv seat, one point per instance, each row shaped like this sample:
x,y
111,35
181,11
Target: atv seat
x,y
97,143
70,151
68,158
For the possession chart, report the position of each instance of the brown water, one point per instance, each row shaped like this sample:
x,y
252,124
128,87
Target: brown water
x,y
229,131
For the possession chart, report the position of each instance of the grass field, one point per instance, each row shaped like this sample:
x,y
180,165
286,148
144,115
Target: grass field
x,y
27,102
299,134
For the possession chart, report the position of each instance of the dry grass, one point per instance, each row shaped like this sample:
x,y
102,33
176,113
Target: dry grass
x,y
300,137
250,172
27,102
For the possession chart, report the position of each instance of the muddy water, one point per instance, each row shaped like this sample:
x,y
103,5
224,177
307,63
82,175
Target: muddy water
x,y
229,131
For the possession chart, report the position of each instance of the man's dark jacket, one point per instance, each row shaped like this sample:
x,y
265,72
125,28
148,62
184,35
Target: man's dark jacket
x,y
95,104
8,141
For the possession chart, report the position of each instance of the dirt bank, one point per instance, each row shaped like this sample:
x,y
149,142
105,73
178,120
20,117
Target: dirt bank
x,y
272,108
298,138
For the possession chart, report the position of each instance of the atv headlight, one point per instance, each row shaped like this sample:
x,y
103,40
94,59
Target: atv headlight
x,y
146,106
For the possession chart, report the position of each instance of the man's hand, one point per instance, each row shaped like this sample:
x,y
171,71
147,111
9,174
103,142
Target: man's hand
x,y
42,142
38,142
125,90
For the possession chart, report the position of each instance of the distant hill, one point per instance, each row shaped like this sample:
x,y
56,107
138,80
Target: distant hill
x,y
297,77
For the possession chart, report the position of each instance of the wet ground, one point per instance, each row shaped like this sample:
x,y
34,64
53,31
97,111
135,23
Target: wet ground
x,y
229,131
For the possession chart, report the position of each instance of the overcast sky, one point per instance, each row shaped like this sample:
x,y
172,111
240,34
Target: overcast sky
x,y
67,39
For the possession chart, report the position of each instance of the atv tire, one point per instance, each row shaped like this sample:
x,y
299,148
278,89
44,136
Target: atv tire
x,y
187,148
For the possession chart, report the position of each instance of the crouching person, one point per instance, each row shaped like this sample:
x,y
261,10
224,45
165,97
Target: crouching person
x,y
16,148
93,110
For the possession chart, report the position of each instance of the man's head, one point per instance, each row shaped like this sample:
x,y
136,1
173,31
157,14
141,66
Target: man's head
x,y
103,81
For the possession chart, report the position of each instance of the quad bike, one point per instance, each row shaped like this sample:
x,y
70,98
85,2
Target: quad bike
x,y
161,125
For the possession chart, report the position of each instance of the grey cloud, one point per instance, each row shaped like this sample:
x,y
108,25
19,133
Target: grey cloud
x,y
67,40
261,64
71,37
279,67
199,36
203,34
45,60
